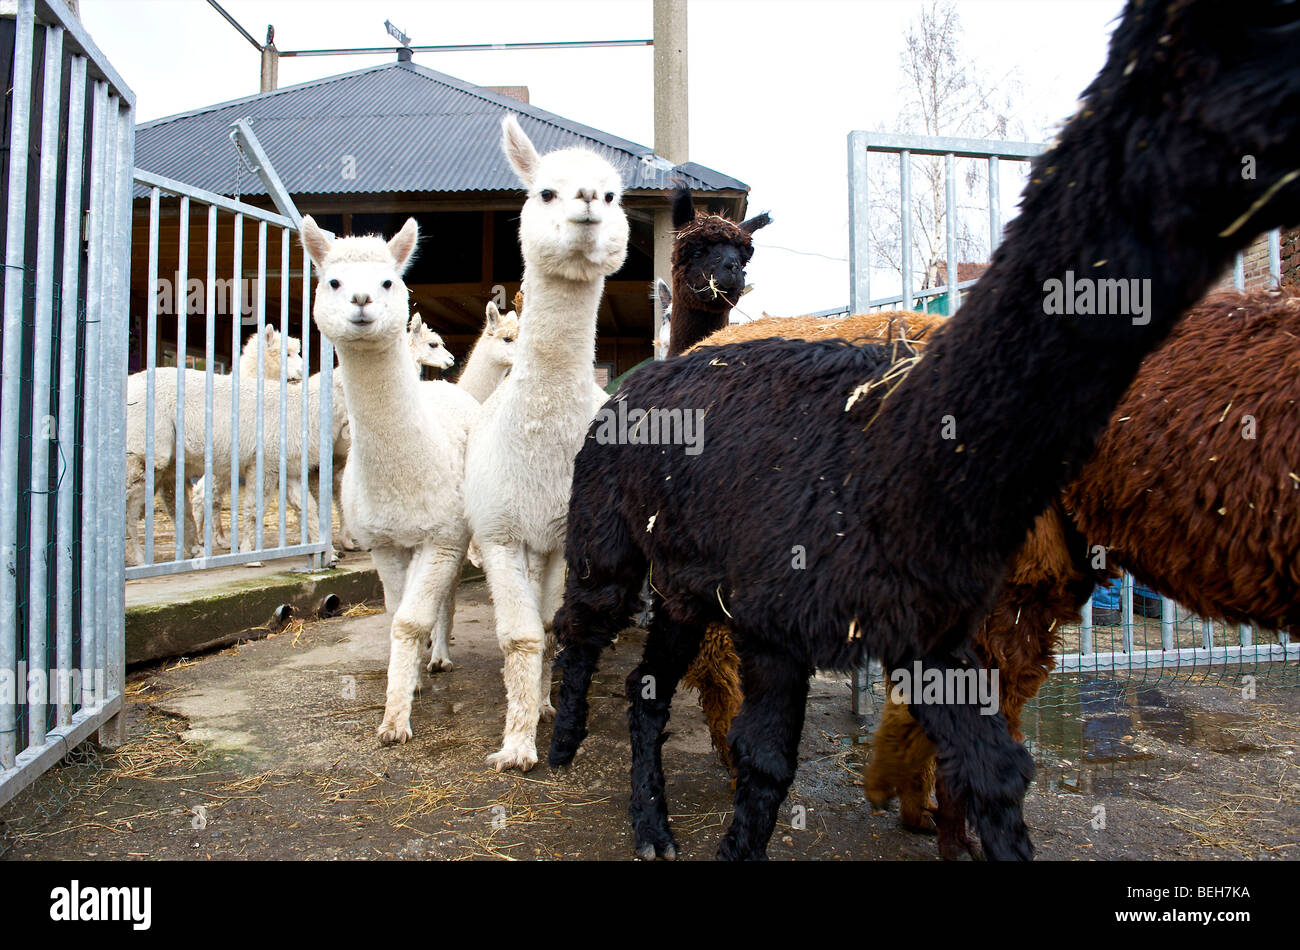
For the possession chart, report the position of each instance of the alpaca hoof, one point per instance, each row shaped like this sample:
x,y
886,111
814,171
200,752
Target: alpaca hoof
x,y
255,564
440,666
879,797
922,825
393,734
547,712
650,851
522,756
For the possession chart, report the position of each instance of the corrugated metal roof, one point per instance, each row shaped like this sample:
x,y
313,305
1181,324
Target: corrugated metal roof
x,y
398,127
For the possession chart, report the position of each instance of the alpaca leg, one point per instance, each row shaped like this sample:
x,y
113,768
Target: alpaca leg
x,y
552,595
186,531
134,513
716,675
598,601
440,647
346,541
765,749
392,565
430,580
669,649
983,770
902,764
520,634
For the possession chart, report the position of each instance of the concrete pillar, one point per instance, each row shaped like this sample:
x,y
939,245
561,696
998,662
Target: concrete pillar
x,y
672,124
270,68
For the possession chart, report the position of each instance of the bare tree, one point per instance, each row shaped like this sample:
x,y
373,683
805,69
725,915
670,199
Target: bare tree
x,y
942,92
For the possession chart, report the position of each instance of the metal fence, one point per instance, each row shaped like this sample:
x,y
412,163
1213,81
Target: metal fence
x,y
293,425
69,145
1173,647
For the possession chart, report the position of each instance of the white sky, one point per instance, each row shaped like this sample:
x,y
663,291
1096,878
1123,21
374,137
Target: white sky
x,y
775,87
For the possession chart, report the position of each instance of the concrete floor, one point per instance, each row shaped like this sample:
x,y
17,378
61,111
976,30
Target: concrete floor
x,y
268,750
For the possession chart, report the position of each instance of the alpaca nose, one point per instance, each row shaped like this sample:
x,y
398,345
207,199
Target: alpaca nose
x,y
587,194
361,299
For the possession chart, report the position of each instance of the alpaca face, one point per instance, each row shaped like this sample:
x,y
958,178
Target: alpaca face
x,y
709,254
426,346
499,334
360,300
572,224
271,356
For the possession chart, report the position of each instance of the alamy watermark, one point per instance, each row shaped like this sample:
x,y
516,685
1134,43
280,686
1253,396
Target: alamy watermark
x,y
1088,297
653,426
40,687
971,685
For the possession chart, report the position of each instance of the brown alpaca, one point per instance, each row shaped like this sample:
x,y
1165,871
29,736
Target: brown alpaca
x,y
1174,468
716,672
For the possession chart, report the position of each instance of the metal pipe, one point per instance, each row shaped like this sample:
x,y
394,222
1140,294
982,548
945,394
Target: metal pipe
x,y
859,225
995,206
151,368
464,47
181,298
305,347
260,503
68,317
284,385
10,390
89,392
950,216
905,217
236,344
209,381
43,431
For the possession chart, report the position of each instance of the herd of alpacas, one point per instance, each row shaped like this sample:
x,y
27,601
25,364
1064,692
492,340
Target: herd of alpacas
x,y
921,548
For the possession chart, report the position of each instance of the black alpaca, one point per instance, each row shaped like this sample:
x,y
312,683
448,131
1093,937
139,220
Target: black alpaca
x,y
709,257
908,533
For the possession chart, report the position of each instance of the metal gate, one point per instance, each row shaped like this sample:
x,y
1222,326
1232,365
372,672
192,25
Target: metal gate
x,y
69,137
1174,646
283,417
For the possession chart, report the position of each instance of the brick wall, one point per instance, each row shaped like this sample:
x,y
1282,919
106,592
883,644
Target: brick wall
x,y
1256,264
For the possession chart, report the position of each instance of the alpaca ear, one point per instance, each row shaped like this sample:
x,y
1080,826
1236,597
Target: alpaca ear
x,y
268,331
402,246
756,222
414,323
683,207
314,240
664,292
519,150
493,316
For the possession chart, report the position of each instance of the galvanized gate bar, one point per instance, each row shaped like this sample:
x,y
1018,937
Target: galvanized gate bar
x,y
64,663
15,280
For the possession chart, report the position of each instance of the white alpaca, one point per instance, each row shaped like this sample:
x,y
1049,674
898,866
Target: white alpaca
x,y
402,484
426,349
270,338
519,466
493,354
188,535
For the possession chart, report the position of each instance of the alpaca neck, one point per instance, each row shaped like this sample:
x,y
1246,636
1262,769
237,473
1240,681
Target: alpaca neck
x,y
482,373
690,325
381,388
1008,401
557,338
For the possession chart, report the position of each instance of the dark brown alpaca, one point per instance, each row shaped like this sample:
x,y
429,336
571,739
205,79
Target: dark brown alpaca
x,y
709,257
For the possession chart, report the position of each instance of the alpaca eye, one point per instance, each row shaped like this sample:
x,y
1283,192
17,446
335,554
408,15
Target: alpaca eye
x,y
547,194
388,285
334,284
609,197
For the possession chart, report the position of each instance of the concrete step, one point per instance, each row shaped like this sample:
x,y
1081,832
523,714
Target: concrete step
x,y
183,614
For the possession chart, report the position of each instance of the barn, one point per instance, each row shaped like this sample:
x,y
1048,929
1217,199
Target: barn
x,y
361,151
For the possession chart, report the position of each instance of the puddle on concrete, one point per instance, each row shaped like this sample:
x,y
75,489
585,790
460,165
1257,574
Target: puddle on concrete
x,y
1097,736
